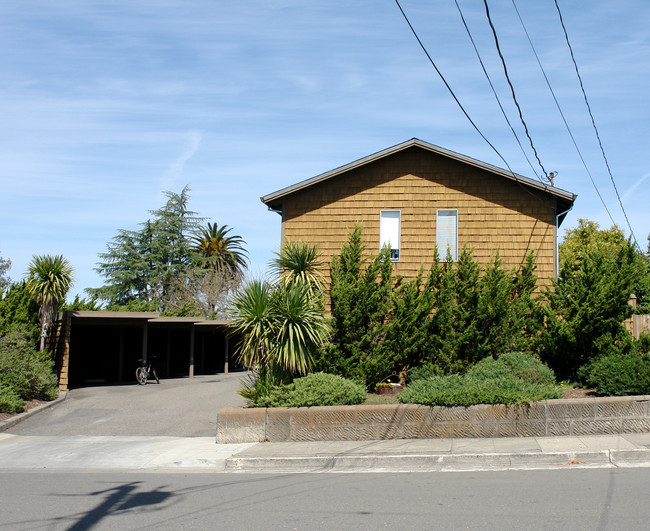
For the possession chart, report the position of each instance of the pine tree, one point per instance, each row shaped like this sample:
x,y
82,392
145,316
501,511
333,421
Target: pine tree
x,y
359,295
586,308
140,266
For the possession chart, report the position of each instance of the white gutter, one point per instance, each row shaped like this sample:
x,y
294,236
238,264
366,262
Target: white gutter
x,y
557,247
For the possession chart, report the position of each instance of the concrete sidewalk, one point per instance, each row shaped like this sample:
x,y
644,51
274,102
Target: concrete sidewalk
x,y
202,454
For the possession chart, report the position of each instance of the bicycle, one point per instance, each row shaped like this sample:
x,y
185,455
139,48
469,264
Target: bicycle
x,y
145,372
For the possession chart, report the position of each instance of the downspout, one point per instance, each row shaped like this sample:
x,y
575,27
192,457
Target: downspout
x,y
557,247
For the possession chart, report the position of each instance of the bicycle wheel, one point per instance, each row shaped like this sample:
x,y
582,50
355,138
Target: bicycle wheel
x,y
141,375
155,375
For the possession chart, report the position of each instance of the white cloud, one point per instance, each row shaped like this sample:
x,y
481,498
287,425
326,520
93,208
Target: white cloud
x,y
175,170
105,104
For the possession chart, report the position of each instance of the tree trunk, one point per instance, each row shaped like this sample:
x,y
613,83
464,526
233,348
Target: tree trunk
x,y
44,332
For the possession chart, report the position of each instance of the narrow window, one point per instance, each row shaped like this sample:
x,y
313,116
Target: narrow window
x,y
447,234
389,231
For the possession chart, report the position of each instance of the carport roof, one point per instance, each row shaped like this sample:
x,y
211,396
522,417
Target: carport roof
x,y
150,317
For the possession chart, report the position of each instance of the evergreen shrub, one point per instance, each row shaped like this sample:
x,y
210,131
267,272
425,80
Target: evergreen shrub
x,y
422,372
27,372
465,390
315,389
514,377
619,374
10,402
518,364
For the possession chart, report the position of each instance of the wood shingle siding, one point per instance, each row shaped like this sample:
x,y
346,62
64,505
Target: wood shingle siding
x,y
495,214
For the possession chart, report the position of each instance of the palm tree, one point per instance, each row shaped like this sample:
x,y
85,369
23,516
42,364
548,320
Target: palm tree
x,y
48,280
280,327
253,320
300,327
299,262
215,249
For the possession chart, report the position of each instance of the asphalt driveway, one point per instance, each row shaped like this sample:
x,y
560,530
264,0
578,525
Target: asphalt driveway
x,y
180,407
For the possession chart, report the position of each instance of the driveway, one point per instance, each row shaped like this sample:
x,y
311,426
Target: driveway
x,y
181,407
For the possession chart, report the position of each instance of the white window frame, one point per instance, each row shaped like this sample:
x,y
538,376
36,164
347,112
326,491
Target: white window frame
x,y
447,233
387,229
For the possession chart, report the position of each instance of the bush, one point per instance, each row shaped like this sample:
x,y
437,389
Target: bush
x,y
257,386
465,390
10,402
619,374
643,343
514,377
25,371
428,370
586,308
518,364
316,389
29,374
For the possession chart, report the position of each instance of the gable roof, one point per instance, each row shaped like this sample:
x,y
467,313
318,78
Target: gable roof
x,y
565,199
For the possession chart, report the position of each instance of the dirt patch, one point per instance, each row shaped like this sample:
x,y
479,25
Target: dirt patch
x,y
578,392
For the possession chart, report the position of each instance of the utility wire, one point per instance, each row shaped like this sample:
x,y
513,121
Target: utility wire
x,y
480,60
593,122
452,92
512,89
557,104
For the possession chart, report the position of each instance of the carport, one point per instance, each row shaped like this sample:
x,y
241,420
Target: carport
x,y
104,347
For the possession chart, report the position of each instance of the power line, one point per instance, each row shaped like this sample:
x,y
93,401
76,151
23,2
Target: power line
x,y
451,91
512,89
478,55
593,122
557,104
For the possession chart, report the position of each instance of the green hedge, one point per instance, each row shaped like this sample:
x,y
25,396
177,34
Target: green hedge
x,y
316,389
514,377
461,390
518,364
10,402
29,374
619,374
25,372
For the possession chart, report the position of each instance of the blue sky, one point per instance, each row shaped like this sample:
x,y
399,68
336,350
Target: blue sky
x,y
104,105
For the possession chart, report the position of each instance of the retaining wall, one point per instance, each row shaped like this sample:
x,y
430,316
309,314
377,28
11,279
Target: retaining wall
x,y
581,416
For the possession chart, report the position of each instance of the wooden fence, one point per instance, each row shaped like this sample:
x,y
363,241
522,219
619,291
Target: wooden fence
x,y
637,324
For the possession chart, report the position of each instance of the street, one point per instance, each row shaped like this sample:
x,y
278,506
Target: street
x,y
552,499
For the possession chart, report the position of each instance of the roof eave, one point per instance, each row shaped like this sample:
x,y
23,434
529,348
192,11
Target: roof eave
x,y
274,200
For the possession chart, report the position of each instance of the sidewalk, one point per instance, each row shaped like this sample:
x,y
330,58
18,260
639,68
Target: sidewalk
x,y
202,454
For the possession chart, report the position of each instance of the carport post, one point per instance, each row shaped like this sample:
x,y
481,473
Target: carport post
x,y
192,352
226,355
145,338
169,352
121,356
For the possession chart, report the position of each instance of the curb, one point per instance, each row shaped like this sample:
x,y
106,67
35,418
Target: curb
x,y
22,416
441,462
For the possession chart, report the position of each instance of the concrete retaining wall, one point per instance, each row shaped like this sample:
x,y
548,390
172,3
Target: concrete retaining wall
x,y
582,416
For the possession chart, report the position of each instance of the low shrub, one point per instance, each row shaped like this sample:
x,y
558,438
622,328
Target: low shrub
x,y
518,364
514,377
10,402
26,371
468,390
643,343
422,372
316,389
255,387
619,374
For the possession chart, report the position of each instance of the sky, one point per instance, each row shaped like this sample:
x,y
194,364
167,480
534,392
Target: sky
x,y
104,105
